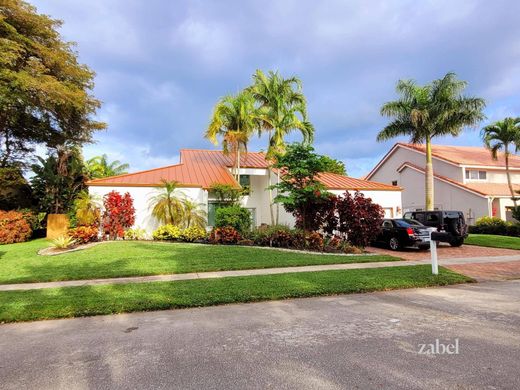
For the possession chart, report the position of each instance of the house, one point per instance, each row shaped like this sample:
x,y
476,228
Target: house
x,y
466,178
199,169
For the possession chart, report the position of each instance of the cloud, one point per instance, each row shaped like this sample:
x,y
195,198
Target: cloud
x,y
162,65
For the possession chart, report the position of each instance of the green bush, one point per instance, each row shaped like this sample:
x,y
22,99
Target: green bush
x,y
135,234
167,232
496,226
235,216
193,233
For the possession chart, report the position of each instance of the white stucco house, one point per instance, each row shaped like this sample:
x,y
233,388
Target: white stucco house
x,y
466,178
199,169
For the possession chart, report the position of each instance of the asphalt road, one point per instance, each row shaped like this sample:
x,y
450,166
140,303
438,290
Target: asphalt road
x,y
365,341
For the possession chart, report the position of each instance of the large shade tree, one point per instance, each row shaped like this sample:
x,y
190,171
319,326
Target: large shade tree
x,y
503,136
283,110
234,121
45,93
424,112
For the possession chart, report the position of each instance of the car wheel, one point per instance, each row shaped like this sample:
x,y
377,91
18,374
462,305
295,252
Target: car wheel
x,y
394,244
457,242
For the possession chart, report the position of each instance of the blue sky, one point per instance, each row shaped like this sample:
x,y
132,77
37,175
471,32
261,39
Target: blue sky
x,y
161,65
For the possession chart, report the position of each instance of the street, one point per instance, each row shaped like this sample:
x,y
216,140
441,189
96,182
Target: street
x,y
365,341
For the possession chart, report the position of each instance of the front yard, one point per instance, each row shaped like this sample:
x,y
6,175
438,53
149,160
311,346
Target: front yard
x,y
21,263
493,241
107,299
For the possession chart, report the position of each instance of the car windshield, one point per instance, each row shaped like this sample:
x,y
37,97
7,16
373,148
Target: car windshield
x,y
402,223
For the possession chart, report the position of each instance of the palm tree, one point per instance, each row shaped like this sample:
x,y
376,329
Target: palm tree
x,y
99,167
167,204
88,208
283,109
503,135
193,214
234,119
429,111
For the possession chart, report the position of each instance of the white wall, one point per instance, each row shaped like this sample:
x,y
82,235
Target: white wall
x,y
141,197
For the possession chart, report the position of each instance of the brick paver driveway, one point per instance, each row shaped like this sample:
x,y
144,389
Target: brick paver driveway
x,y
489,271
445,252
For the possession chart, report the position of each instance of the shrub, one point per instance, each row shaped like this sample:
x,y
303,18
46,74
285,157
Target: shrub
x,y
224,235
277,235
314,241
63,242
516,213
246,242
84,234
496,226
193,233
167,232
13,227
235,216
119,214
135,234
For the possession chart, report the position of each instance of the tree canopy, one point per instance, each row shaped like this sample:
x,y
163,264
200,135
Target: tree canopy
x,y
45,93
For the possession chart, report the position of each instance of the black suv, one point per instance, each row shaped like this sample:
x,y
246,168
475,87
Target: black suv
x,y
451,222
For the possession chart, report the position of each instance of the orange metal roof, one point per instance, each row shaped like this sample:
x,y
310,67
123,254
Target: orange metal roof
x,y
202,168
467,155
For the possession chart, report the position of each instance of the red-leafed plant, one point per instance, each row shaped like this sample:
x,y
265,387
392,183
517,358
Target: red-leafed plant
x,y
224,235
359,219
119,214
84,234
14,227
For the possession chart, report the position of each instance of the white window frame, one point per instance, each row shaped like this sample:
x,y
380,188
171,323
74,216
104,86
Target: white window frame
x,y
479,173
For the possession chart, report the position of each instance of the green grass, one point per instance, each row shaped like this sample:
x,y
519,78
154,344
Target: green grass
x,y
119,298
19,263
493,241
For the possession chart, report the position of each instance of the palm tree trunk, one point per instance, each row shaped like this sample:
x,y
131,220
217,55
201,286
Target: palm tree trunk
x,y
269,183
428,176
238,165
277,204
508,174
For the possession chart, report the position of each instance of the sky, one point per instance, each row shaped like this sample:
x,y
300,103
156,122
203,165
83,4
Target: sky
x,y
162,65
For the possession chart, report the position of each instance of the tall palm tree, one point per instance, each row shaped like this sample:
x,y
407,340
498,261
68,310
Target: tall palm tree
x,y
429,111
193,213
167,204
503,135
234,119
283,109
99,167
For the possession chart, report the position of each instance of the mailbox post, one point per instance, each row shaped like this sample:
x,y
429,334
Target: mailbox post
x,y
436,237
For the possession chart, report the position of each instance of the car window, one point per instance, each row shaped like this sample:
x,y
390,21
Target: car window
x,y
387,224
412,222
408,216
419,217
432,218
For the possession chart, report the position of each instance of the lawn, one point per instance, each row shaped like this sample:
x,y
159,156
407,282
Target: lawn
x,y
493,241
119,298
20,262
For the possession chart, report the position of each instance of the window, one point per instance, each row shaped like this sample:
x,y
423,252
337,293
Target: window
x,y
476,175
245,181
394,183
212,210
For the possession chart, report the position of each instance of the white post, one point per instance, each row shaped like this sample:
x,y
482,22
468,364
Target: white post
x,y
433,250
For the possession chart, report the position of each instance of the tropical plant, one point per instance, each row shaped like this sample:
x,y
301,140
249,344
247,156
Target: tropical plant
x,y
57,180
14,227
193,214
167,204
224,235
283,109
429,111
119,214
87,209
226,194
135,234
63,242
503,135
234,216
84,234
194,233
46,93
167,232
99,167
234,119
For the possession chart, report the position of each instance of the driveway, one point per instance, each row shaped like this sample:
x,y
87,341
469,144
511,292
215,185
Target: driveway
x,y
365,341
445,251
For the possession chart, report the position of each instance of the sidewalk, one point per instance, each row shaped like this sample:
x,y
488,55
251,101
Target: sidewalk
x,y
515,259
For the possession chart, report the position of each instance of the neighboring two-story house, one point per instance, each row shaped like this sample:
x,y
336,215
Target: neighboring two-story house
x,y
465,178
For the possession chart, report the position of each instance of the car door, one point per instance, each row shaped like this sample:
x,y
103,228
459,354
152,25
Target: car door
x,y
388,230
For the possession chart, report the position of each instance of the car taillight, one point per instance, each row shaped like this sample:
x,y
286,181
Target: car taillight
x,y
409,231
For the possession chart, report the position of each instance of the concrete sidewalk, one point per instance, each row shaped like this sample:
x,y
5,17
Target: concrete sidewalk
x,y
252,272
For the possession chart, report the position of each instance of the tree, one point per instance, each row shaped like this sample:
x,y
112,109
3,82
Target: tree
x,y
15,192
429,111
334,166
99,167
87,209
503,135
283,109
299,189
167,204
193,214
234,119
45,94
57,181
